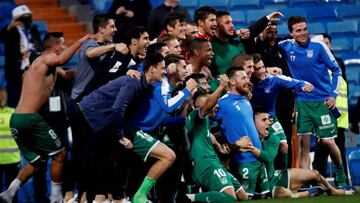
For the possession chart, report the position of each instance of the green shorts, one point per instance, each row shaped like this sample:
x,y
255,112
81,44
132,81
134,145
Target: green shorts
x,y
253,177
34,136
143,143
315,117
216,177
281,178
277,129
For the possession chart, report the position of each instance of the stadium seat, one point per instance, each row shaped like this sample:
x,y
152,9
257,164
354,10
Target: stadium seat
x,y
218,5
354,165
303,3
336,2
341,46
283,30
238,18
342,29
6,8
316,28
356,45
73,61
245,4
254,15
156,3
323,14
189,4
101,6
274,4
349,11
288,12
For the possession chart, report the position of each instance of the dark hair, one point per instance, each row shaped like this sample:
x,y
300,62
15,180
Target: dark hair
x,y
239,60
100,20
197,44
173,58
220,14
152,60
172,17
232,70
133,32
155,48
166,38
51,38
256,57
193,23
196,77
259,109
325,35
294,20
203,12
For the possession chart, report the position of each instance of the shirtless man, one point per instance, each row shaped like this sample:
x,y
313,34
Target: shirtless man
x,y
35,138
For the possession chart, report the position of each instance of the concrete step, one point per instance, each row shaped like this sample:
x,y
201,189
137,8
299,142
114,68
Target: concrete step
x,y
39,3
56,18
49,11
71,27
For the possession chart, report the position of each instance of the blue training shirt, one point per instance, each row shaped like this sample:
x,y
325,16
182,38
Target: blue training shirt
x,y
235,117
311,63
265,92
155,105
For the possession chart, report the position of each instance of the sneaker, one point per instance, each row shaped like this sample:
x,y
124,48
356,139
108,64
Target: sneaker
x,y
313,191
349,190
5,197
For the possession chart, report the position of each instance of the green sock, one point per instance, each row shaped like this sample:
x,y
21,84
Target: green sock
x,y
213,197
141,194
340,177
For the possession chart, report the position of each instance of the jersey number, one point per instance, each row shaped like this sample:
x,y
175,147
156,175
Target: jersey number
x,y
219,173
245,173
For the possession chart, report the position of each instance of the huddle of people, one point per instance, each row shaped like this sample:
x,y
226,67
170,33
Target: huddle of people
x,y
193,108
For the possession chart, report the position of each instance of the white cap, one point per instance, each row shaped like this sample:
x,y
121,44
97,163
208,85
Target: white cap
x,y
20,10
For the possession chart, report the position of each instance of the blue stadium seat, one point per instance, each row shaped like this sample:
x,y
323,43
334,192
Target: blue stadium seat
x,y
336,2
323,14
342,29
239,19
356,45
316,28
218,5
349,11
73,61
253,15
155,3
303,3
245,4
100,6
274,4
42,27
191,13
288,12
283,30
354,165
189,4
6,8
341,46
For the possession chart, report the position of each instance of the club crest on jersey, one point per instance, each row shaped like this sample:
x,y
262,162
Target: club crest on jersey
x,y
309,53
267,89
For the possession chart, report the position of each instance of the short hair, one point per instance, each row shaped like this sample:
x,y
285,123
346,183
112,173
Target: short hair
x,y
325,35
196,44
220,14
166,38
152,60
51,38
196,77
155,48
232,70
100,20
203,12
256,57
172,17
133,32
173,58
193,23
258,110
294,20
239,60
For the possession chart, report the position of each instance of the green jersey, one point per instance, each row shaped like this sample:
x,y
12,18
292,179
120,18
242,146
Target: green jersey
x,y
269,152
201,149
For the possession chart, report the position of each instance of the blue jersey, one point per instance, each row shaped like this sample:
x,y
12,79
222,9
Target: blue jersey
x,y
155,106
235,117
311,63
265,92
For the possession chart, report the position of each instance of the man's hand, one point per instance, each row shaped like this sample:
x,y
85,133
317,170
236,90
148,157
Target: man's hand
x,y
243,33
126,143
274,15
308,87
330,102
191,84
223,148
244,142
122,48
134,74
274,71
224,81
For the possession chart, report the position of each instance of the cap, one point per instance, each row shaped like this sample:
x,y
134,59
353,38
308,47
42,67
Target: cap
x,y
20,10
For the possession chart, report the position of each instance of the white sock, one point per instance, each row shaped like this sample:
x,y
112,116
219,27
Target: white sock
x,y
9,194
191,197
56,194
